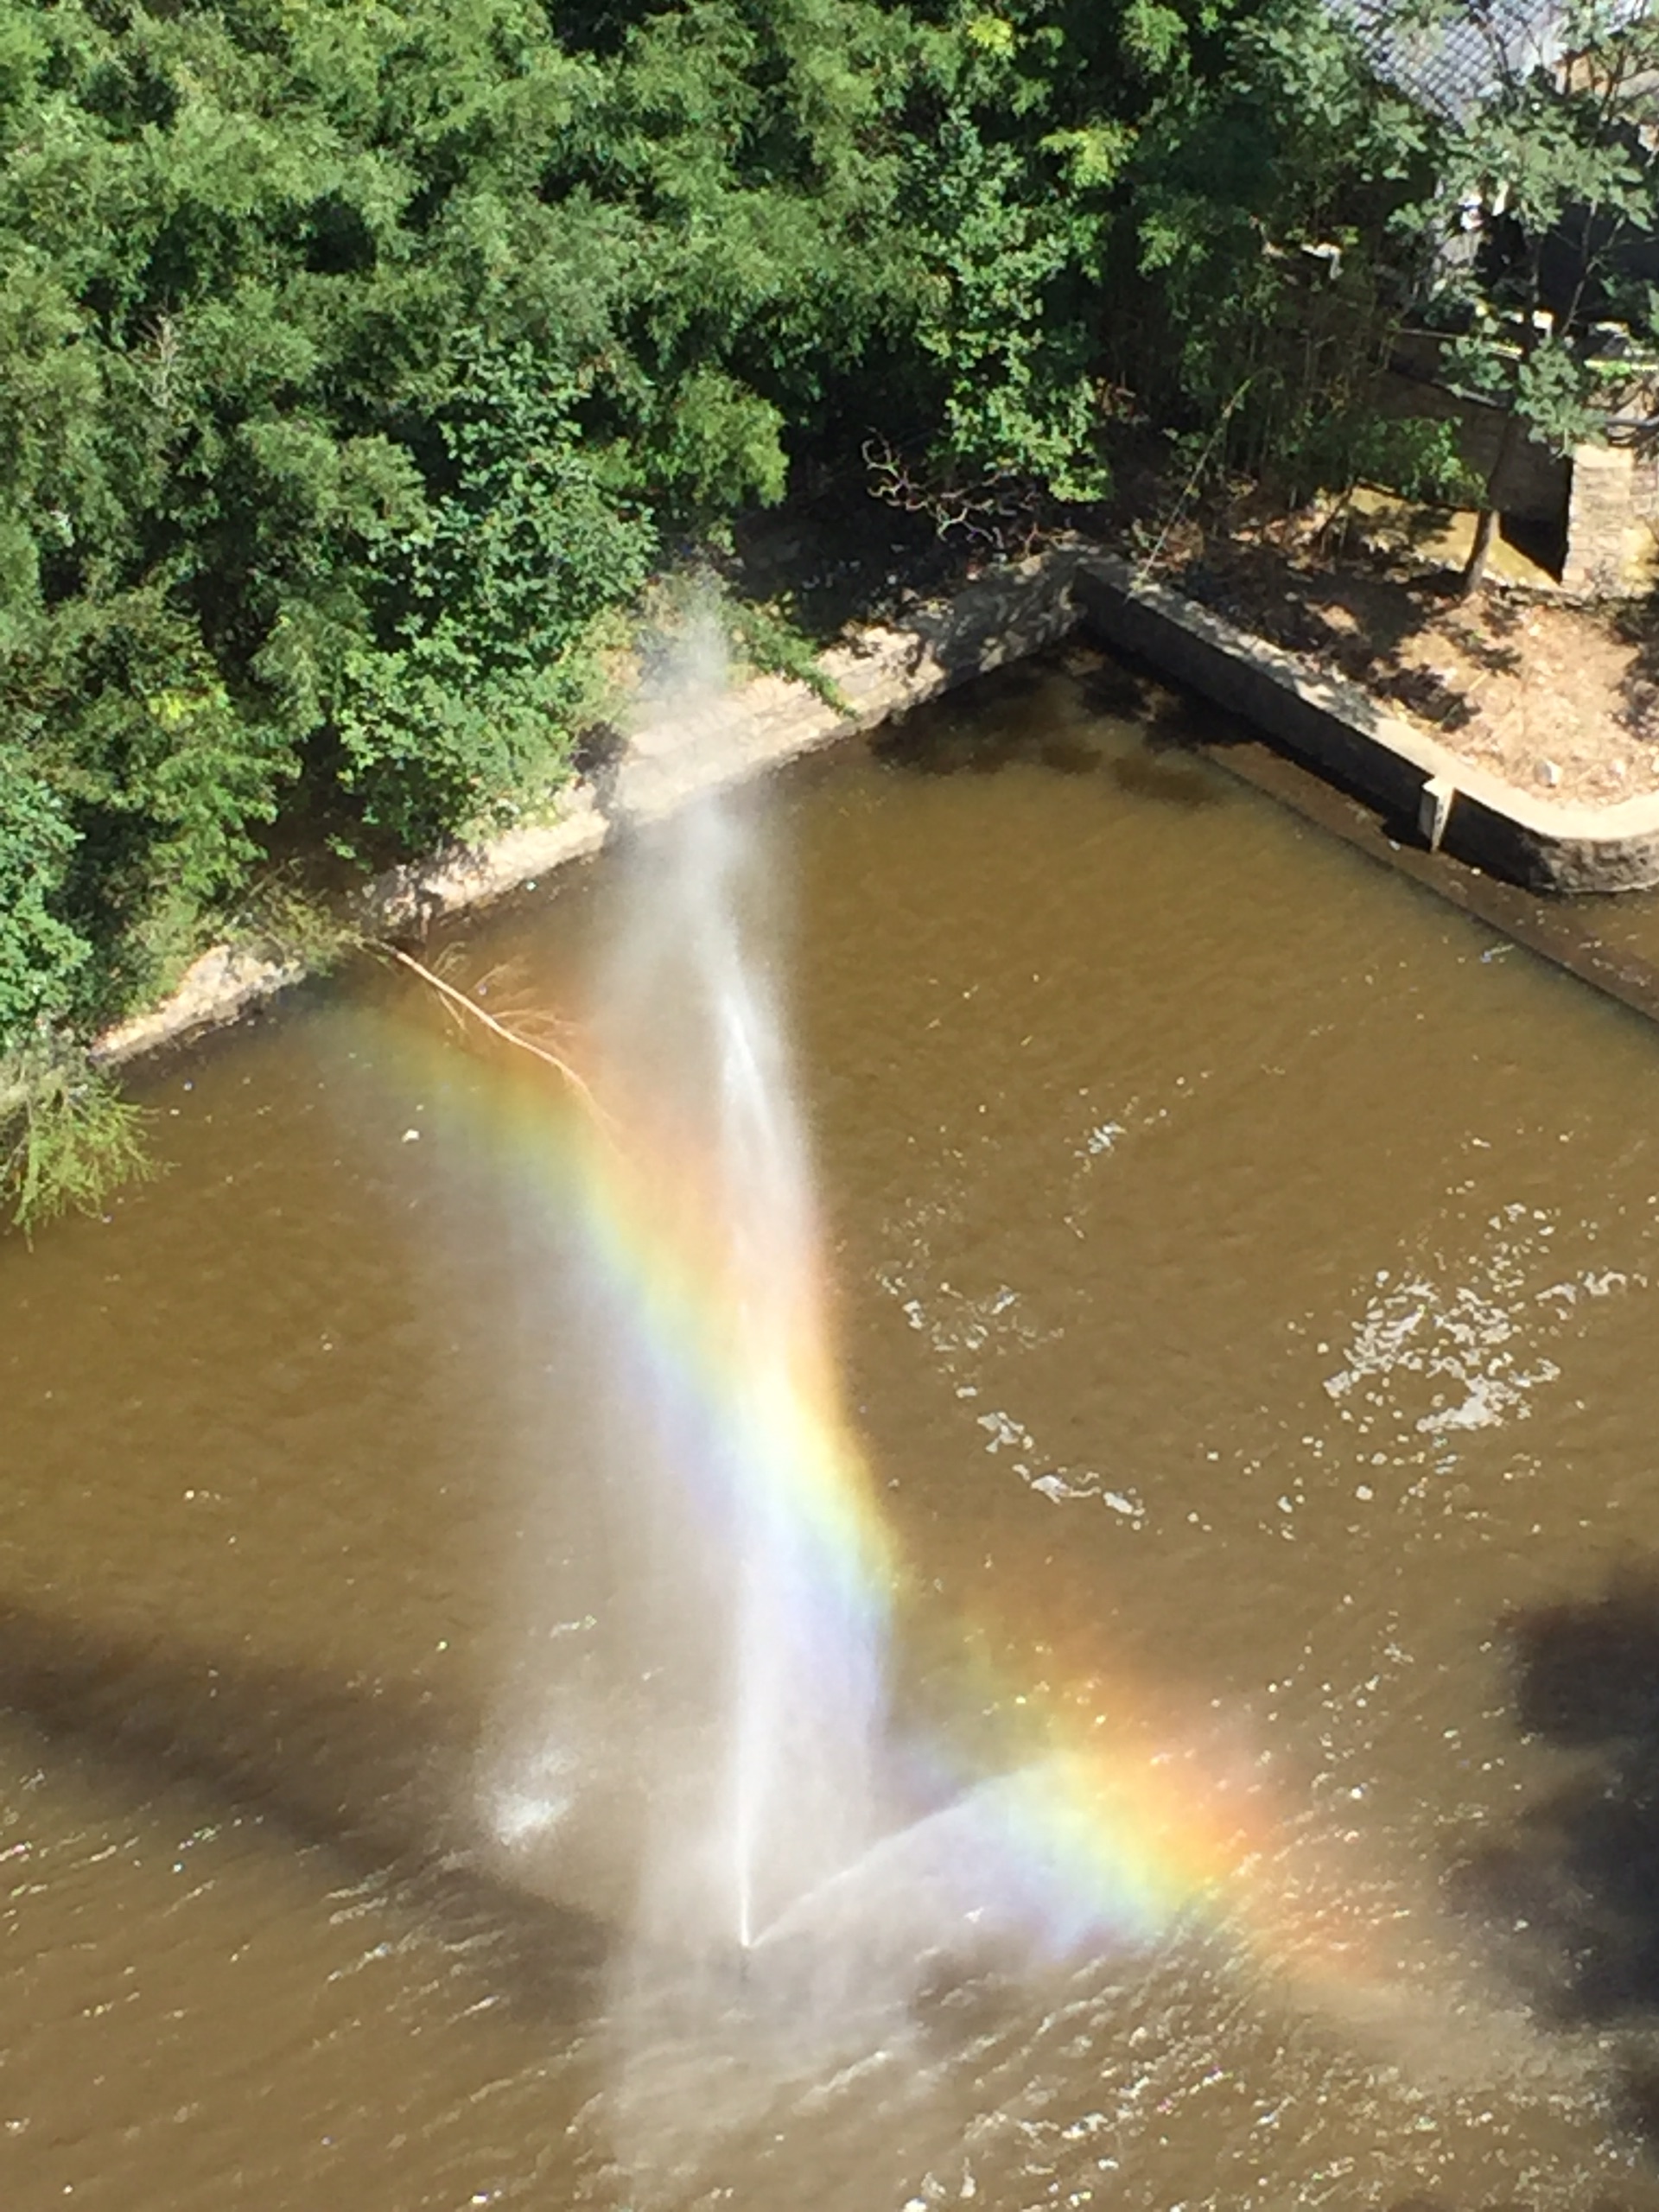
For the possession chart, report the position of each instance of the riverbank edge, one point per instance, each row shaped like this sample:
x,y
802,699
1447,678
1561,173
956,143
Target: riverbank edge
x,y
677,754
1419,784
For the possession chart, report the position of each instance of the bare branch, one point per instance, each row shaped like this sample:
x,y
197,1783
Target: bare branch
x,y
460,1000
999,509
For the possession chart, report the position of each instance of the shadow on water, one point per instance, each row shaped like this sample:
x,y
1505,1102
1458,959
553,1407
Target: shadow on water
x,y
697,2076
1570,1895
1132,731
375,1780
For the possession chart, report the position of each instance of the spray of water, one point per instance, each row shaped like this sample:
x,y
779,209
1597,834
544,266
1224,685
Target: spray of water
x,y
784,1666
700,1745
707,1751
694,1744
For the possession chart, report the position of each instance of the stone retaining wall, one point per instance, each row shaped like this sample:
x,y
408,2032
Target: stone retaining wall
x,y
678,753
1339,730
1536,482
1610,537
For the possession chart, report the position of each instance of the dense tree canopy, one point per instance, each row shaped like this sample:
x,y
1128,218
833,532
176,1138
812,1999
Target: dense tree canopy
x,y
355,356
359,359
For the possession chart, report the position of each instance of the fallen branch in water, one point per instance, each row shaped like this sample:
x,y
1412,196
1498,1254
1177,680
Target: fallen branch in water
x,y
459,998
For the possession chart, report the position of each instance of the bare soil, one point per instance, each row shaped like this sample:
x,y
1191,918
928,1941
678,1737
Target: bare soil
x,y
1553,696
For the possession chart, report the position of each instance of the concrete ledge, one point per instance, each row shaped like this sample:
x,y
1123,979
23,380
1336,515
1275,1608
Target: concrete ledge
x,y
1339,731
677,753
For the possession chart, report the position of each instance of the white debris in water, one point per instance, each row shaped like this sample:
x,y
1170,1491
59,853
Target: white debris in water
x,y
1588,1286
1103,1139
1132,1117
1056,1488
1057,1484
1061,1484
955,1324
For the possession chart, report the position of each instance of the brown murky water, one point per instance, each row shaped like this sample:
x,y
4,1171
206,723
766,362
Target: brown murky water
x,y
1247,1271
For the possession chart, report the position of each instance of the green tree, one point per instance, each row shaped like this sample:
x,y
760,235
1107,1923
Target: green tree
x,y
354,360
1269,194
359,359
1557,160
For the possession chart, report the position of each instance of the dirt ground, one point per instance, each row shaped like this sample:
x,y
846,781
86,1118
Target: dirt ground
x,y
1552,697
1555,697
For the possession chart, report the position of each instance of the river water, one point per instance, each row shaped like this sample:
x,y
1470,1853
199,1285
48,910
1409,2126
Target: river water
x,y
1245,1271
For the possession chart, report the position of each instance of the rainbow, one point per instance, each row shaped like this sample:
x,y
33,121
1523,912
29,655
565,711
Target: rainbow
x,y
1103,1825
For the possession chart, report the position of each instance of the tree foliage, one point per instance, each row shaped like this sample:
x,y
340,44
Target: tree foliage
x,y
354,357
1558,165
361,359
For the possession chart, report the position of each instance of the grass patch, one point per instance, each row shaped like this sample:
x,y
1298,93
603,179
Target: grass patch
x,y
68,1137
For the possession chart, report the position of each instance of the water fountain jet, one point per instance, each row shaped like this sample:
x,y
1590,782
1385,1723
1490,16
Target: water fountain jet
x,y
799,1867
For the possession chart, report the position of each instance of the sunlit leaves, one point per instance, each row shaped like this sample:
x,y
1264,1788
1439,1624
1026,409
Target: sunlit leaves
x,y
988,34
1093,156
1154,36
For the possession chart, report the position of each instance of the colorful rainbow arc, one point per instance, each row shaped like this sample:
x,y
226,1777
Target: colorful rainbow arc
x,y
1103,1834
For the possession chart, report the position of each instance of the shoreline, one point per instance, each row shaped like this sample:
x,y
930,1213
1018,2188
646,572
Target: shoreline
x,y
1423,791
671,756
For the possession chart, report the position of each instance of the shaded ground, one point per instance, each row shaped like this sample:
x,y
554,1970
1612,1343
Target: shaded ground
x,y
1551,695
1570,1893
839,557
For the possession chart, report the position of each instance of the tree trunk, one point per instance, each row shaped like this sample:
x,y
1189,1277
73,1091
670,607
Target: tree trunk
x,y
1474,569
